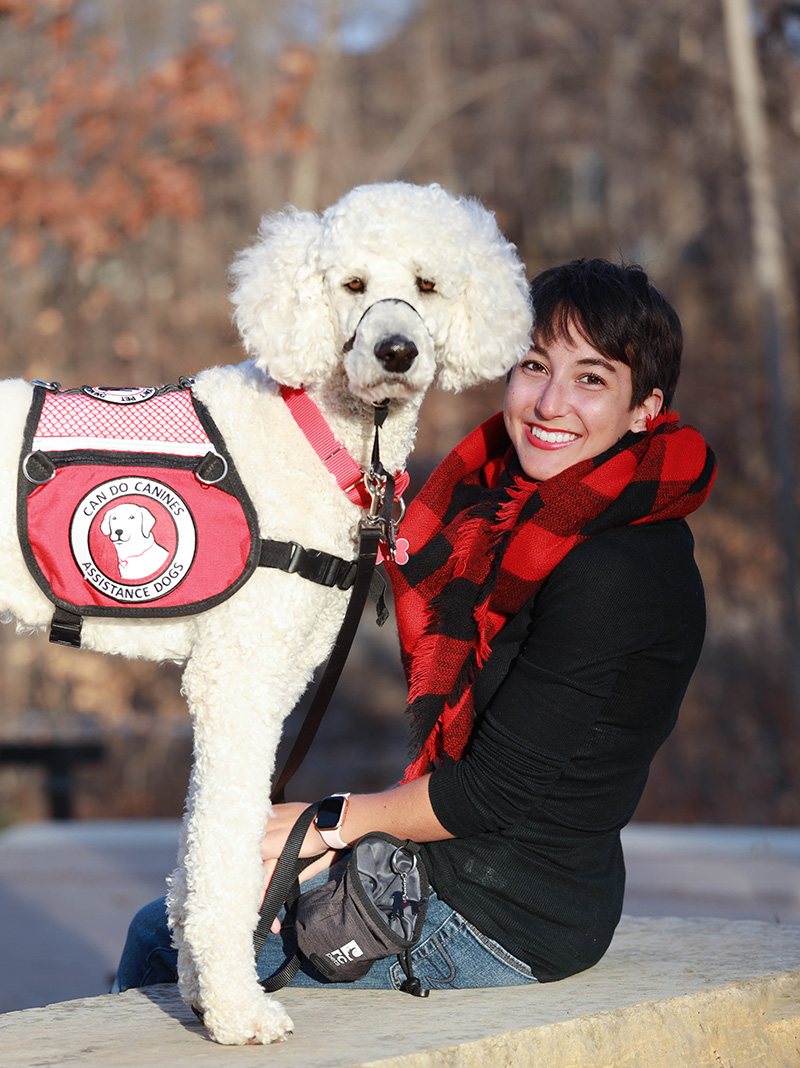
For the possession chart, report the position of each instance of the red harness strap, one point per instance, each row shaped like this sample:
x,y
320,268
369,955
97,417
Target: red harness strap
x,y
349,476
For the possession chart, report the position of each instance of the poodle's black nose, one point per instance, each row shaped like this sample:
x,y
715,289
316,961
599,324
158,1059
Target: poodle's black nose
x,y
396,353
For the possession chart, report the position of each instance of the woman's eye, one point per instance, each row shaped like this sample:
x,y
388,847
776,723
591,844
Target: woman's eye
x,y
426,285
356,285
532,365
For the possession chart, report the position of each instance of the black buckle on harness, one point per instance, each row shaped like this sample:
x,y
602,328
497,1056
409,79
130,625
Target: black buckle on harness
x,y
312,564
65,628
317,566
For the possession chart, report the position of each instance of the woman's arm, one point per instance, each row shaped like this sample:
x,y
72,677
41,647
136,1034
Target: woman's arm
x,y
404,811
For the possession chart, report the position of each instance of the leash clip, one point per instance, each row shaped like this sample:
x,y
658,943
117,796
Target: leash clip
x,y
375,481
377,522
379,517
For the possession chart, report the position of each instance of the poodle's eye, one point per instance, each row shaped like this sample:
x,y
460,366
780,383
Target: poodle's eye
x,y
356,285
426,285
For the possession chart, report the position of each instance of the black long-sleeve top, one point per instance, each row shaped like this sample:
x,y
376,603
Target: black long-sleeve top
x,y
580,690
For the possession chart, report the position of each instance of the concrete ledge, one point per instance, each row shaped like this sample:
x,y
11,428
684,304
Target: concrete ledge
x,y
669,994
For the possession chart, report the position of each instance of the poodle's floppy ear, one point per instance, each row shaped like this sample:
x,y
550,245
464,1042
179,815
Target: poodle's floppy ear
x,y
491,325
279,301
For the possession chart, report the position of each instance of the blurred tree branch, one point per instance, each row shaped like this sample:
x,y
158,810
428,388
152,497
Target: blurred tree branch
x,y
304,189
771,273
396,156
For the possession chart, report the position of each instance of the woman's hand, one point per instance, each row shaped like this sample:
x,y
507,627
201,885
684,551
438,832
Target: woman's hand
x,y
279,827
404,811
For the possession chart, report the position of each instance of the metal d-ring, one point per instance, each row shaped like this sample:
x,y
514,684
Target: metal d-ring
x,y
37,481
219,478
393,862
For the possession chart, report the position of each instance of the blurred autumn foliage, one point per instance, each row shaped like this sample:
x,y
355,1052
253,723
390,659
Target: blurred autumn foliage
x,y
94,157
139,145
100,158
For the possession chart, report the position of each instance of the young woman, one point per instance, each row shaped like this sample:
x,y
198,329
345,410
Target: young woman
x,y
550,615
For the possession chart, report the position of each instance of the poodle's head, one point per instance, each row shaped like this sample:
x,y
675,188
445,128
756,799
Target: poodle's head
x,y
449,280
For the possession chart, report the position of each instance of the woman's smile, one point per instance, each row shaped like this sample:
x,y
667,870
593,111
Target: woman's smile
x,y
543,438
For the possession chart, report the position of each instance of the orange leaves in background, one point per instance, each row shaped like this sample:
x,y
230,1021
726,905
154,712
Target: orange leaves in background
x,y
88,158
24,11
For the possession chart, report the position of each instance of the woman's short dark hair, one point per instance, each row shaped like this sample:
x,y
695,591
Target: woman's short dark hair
x,y
620,313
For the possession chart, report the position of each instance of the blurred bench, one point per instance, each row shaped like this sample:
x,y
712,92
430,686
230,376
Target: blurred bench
x,y
59,760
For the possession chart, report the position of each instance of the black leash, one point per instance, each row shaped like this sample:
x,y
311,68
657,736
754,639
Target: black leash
x,y
284,887
373,528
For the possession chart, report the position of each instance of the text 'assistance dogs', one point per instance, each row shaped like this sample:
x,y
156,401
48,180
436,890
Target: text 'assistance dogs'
x,y
144,514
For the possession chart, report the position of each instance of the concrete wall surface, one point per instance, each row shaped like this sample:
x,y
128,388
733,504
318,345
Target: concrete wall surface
x,y
670,993
68,891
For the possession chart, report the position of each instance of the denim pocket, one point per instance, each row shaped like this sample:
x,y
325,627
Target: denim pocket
x,y
457,956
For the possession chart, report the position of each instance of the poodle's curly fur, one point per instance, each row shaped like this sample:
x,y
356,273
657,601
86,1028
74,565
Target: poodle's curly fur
x,y
314,297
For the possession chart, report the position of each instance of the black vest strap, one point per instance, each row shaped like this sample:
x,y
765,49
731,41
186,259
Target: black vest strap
x,y
312,564
65,628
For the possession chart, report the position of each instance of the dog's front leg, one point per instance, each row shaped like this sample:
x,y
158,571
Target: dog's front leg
x,y
177,893
237,713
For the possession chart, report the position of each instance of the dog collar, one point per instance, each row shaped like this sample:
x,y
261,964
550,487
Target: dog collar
x,y
349,476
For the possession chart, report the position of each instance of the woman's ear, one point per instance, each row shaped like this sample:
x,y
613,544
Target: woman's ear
x,y
645,412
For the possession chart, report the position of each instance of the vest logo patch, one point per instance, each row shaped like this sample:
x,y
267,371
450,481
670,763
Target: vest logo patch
x,y
120,395
133,538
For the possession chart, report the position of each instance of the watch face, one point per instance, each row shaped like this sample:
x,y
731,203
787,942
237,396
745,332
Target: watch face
x,y
329,813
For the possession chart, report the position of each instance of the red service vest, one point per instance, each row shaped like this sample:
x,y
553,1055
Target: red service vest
x,y
129,503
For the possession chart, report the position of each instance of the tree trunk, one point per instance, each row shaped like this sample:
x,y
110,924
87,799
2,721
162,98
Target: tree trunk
x,y
778,307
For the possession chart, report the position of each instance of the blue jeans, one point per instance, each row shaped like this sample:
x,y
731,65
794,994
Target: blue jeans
x,y
451,954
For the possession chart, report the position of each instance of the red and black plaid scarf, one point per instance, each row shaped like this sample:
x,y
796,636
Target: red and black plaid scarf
x,y
483,538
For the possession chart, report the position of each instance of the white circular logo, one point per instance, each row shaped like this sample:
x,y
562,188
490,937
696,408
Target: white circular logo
x,y
133,539
120,395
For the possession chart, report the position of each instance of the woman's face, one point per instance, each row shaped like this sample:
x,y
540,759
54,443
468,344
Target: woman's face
x,y
567,402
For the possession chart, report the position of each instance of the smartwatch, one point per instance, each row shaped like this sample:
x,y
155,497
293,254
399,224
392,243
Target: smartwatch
x,y
329,819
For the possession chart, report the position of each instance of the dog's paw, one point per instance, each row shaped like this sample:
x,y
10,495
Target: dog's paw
x,y
259,1024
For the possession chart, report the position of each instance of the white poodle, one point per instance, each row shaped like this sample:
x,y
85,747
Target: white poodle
x,y
390,289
